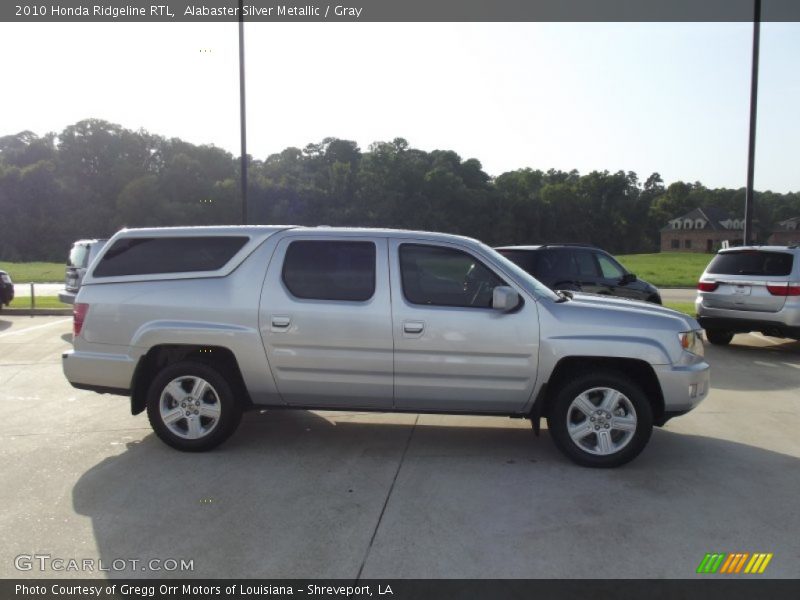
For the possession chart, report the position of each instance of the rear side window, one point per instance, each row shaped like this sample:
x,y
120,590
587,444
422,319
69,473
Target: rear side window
x,y
154,256
78,256
522,258
749,262
323,270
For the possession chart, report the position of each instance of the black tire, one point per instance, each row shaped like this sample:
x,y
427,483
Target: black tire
x,y
719,337
219,399
636,412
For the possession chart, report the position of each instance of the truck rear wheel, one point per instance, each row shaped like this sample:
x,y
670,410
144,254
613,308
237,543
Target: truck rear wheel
x,y
191,406
601,420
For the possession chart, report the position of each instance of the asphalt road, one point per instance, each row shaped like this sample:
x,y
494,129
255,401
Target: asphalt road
x,y
296,494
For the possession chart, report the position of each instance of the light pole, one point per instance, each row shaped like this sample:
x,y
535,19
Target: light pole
x,y
751,154
242,114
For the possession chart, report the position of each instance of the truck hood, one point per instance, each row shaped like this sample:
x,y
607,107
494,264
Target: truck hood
x,y
634,308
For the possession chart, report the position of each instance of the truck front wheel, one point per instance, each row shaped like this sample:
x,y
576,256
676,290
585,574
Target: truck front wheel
x,y
600,420
191,407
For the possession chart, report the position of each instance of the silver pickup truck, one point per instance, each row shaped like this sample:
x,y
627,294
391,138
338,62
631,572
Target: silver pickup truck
x,y
197,325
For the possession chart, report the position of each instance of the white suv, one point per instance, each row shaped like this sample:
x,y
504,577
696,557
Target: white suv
x,y
81,255
752,288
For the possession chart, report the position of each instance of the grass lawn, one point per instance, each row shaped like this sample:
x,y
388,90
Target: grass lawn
x,y
684,307
41,302
36,272
667,269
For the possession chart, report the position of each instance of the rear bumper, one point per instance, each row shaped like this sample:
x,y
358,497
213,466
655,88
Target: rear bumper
x,y
66,297
683,387
106,373
736,325
6,293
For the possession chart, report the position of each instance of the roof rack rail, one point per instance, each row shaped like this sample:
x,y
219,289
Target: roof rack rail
x,y
576,244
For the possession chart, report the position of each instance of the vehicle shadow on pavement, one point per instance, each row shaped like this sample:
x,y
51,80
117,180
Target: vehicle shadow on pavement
x,y
746,367
295,494
4,324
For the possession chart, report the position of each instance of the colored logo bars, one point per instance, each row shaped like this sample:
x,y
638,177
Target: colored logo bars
x,y
735,562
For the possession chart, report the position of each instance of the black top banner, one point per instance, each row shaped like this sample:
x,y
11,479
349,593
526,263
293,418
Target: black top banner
x,y
398,10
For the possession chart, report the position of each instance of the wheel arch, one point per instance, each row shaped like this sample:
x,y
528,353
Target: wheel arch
x,y
163,355
639,371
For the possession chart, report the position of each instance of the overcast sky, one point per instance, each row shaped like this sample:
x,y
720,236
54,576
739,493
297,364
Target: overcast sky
x,y
672,98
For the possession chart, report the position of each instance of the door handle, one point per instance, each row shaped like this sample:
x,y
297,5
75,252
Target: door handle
x,y
281,321
413,326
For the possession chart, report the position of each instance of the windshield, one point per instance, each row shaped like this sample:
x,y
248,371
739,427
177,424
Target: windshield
x,y
534,284
751,262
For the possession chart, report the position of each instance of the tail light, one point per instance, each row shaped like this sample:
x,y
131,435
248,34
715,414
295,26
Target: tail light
x,y
79,311
707,286
784,289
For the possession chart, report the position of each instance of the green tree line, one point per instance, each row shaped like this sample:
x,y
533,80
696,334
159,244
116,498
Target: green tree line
x,y
96,177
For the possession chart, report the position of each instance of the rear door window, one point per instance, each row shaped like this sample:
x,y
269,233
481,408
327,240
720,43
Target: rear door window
x,y
585,264
750,262
152,256
330,270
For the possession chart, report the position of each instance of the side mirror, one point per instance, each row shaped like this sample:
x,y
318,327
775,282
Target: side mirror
x,y
628,278
505,298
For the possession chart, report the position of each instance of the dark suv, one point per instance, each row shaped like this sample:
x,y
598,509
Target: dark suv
x,y
6,289
580,268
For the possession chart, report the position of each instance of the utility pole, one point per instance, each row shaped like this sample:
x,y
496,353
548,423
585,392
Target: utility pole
x,y
243,113
751,154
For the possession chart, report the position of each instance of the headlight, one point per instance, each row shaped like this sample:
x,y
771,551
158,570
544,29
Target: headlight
x,y
5,278
692,341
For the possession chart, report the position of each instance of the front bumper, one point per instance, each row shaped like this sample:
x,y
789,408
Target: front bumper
x,y
683,387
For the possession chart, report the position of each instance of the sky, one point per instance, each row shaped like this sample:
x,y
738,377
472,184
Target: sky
x,y
643,97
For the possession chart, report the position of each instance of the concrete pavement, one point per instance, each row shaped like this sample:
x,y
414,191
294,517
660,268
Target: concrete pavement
x,y
678,294
23,290
315,494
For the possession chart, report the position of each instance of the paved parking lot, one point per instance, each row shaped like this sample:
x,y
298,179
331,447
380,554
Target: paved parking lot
x,y
296,494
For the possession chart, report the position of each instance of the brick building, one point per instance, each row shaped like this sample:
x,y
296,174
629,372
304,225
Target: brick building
x,y
701,230
785,233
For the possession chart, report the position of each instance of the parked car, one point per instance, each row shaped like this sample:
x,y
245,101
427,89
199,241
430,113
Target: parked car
x,y
750,288
81,255
198,324
6,289
580,267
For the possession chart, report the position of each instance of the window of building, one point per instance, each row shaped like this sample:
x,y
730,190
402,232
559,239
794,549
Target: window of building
x,y
675,244
687,243
438,276
330,270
